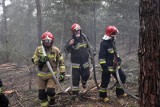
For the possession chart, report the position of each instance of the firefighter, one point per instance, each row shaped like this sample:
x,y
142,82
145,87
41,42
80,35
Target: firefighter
x,y
3,99
46,84
78,48
109,61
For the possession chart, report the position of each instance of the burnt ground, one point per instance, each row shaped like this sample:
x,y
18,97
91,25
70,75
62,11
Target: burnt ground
x,y
22,80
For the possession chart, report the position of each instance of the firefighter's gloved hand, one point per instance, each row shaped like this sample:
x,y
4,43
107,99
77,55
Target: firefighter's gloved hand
x,y
119,60
115,64
62,76
43,59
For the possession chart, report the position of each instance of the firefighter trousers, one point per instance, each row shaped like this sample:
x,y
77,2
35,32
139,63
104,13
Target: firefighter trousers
x,y
106,75
79,74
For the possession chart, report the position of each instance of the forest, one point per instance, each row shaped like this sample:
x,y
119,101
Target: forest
x,y
22,23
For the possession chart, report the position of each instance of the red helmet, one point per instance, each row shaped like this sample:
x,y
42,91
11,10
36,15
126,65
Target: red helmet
x,y
75,26
111,30
47,35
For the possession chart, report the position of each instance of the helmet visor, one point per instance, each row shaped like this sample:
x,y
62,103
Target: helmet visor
x,y
47,42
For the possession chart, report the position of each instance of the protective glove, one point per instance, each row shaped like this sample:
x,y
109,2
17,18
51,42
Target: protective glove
x,y
62,76
115,62
119,60
43,59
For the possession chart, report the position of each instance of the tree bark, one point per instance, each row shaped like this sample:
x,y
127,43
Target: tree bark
x,y
149,53
39,20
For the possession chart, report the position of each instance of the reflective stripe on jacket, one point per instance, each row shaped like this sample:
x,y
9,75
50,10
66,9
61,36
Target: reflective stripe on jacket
x,y
79,50
107,54
55,59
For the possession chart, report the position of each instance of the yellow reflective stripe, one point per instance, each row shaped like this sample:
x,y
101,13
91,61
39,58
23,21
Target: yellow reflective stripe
x,y
119,87
102,61
1,90
75,88
85,65
62,67
61,58
82,45
102,89
110,68
43,74
111,50
44,103
74,65
79,45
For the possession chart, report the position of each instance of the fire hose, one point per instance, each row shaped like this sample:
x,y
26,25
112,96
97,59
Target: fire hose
x,y
117,73
122,85
92,54
52,72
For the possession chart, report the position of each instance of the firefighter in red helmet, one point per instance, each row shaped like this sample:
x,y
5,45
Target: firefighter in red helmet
x,y
110,61
46,84
78,48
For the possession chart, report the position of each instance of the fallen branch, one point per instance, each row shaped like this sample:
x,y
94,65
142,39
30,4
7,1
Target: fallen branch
x,y
20,103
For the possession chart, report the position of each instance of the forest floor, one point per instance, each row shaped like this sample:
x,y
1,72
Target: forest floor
x,y
20,84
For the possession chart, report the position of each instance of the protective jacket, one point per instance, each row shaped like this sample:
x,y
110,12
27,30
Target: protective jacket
x,y
108,55
55,59
79,51
80,62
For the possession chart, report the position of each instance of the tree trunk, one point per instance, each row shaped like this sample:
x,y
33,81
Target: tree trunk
x,y
94,16
28,25
63,37
75,11
39,19
5,31
149,53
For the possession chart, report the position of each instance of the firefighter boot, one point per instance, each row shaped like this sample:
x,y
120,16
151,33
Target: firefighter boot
x,y
74,95
120,92
103,96
52,102
44,103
